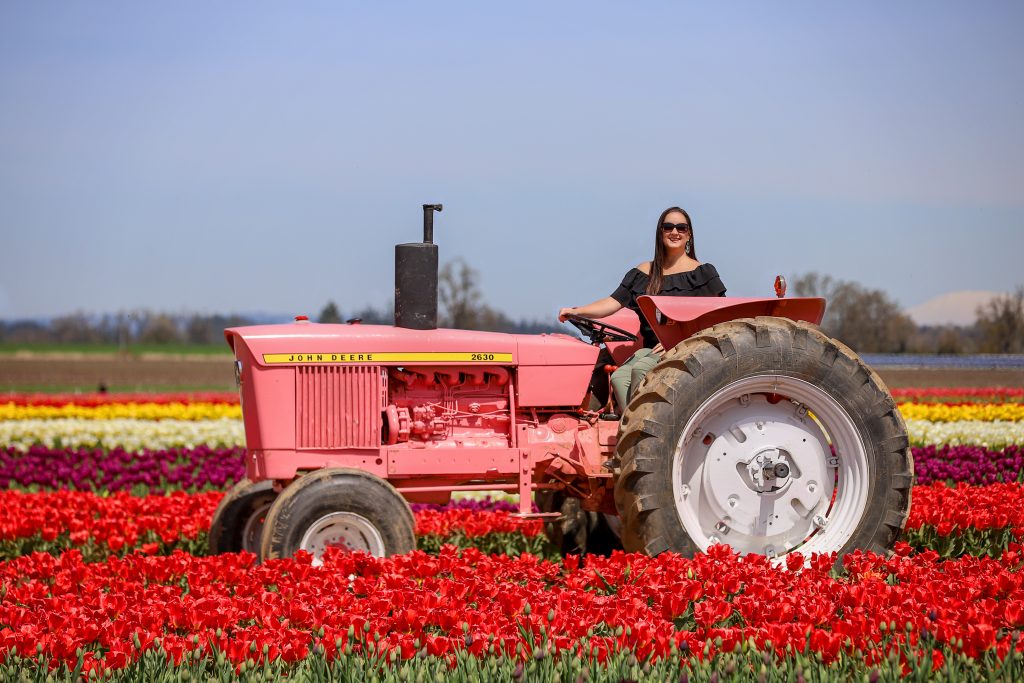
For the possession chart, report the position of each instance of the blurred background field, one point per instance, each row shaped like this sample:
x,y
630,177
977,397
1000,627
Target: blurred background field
x,y
28,350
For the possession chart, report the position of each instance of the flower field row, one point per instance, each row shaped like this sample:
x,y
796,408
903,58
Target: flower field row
x,y
966,433
474,523
138,435
57,520
58,400
960,412
203,467
967,464
117,523
980,394
142,471
148,410
130,435
204,410
962,506
420,605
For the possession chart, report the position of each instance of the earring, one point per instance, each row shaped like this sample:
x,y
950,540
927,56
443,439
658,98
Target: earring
x,y
689,247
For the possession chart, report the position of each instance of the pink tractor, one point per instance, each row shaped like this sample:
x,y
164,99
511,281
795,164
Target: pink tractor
x,y
756,430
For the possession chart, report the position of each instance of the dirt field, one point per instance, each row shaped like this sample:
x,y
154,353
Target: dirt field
x,y
79,372
85,373
895,377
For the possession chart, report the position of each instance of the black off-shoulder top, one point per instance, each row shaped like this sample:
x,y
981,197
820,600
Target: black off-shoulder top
x,y
701,281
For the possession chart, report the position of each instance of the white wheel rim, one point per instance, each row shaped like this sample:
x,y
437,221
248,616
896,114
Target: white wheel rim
x,y
253,529
726,467
344,530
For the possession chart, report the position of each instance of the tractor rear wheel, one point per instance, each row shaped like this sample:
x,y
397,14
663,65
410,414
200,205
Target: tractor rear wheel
x,y
766,435
238,521
344,508
577,531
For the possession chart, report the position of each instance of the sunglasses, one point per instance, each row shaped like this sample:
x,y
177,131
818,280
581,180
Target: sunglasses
x,y
681,227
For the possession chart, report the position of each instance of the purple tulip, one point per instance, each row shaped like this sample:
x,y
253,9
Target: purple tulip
x,y
117,469
968,464
204,467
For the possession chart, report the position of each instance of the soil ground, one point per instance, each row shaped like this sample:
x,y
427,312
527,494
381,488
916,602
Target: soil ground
x,y
71,372
950,377
85,372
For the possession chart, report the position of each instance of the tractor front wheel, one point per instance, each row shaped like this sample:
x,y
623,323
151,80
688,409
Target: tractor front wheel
x,y
766,435
349,509
238,521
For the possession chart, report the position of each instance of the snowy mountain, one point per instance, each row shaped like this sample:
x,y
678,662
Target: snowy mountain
x,y
953,308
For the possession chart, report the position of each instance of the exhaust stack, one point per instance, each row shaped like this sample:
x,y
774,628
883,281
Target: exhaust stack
x,y
416,278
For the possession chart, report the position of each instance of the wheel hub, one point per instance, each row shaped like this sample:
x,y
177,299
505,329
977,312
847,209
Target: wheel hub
x,y
768,470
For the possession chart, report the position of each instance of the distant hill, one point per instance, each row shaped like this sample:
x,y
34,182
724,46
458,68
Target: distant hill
x,y
954,308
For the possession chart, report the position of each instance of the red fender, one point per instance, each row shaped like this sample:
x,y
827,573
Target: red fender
x,y
674,318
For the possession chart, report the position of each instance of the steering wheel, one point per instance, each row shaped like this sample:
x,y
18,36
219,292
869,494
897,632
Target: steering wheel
x,y
598,331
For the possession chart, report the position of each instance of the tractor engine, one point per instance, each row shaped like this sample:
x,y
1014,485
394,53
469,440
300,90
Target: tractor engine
x,y
447,407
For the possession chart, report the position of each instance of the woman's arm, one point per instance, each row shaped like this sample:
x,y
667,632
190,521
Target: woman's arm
x,y
599,309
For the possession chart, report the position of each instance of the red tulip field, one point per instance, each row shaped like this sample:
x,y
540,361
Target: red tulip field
x,y
105,575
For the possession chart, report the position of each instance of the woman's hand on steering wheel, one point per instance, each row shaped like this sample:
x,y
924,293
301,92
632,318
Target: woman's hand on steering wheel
x,y
596,330
564,313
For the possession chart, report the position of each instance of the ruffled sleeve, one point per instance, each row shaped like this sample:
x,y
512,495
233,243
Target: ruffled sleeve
x,y
714,285
624,293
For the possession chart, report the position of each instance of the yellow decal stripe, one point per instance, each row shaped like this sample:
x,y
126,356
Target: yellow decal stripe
x,y
389,357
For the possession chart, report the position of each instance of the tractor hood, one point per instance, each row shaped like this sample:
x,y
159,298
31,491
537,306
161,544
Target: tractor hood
x,y
552,369
304,343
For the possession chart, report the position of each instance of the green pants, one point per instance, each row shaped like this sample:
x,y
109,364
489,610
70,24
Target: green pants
x,y
631,373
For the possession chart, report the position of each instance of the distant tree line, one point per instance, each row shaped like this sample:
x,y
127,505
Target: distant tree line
x,y
122,329
867,320
459,296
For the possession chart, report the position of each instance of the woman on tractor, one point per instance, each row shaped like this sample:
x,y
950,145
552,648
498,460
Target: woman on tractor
x,y
675,271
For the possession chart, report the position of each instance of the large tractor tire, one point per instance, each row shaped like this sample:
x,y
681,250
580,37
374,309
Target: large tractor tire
x,y
766,435
577,531
345,508
238,521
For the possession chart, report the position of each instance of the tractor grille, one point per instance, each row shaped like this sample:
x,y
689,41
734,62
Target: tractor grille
x,y
338,406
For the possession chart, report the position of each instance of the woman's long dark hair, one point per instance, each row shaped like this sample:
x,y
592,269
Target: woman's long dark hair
x,y
657,266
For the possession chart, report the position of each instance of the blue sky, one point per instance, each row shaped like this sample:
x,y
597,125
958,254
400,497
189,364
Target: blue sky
x,y
267,156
